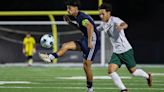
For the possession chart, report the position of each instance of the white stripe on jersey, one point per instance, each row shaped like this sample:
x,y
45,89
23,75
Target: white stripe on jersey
x,y
91,52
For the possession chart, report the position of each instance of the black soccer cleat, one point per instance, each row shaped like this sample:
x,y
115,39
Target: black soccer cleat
x,y
125,90
149,80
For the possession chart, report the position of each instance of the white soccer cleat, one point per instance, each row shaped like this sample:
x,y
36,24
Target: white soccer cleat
x,y
90,90
45,57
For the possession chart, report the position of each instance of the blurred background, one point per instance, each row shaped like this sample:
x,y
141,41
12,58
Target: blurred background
x,y
145,32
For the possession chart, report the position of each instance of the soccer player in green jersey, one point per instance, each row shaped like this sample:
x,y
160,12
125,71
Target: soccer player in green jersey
x,y
122,50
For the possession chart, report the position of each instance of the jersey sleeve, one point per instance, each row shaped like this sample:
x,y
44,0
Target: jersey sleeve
x,y
33,40
118,21
100,27
84,22
84,19
24,41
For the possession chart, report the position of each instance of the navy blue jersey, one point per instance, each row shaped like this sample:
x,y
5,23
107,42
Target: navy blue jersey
x,y
82,16
88,53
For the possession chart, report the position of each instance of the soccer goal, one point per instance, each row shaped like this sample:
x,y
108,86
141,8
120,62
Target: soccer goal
x,y
13,32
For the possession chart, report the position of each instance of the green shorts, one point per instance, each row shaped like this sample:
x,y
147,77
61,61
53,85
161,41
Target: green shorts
x,y
126,58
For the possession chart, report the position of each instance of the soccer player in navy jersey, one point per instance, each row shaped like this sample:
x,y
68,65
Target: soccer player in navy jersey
x,y
89,44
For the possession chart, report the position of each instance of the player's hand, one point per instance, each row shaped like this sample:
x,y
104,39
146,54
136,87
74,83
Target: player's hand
x,y
67,19
24,51
34,50
119,28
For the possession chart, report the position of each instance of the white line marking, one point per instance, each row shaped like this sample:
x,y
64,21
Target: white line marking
x,y
158,74
95,77
14,82
105,84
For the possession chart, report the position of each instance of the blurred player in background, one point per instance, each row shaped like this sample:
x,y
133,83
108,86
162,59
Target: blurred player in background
x,y
29,48
122,50
89,44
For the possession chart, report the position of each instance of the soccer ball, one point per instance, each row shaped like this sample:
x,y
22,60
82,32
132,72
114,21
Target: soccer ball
x,y
47,41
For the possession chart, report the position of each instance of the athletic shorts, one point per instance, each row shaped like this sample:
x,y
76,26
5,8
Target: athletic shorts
x,y
126,58
88,54
29,57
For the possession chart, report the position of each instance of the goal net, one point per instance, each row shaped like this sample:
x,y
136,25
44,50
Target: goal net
x,y
13,32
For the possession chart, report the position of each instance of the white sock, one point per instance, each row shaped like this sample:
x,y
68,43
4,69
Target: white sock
x,y
140,72
51,56
117,80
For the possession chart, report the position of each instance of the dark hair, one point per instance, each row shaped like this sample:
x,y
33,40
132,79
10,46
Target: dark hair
x,y
73,2
107,7
28,33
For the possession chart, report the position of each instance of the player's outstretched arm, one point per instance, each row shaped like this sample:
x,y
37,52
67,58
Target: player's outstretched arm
x,y
121,26
69,21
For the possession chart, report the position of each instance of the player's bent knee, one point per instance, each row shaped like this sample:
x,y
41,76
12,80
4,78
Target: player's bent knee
x,y
112,68
110,71
87,63
131,70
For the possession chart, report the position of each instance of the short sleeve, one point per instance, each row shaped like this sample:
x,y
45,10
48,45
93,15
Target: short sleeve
x,y
24,41
84,22
117,20
100,27
33,40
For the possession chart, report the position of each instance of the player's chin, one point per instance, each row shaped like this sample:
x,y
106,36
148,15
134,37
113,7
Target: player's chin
x,y
103,20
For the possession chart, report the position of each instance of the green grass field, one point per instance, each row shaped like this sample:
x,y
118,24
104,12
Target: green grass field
x,y
61,79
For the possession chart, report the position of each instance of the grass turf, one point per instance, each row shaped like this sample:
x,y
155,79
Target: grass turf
x,y
46,79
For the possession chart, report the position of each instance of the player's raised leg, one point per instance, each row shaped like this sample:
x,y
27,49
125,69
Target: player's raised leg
x,y
129,60
65,47
139,72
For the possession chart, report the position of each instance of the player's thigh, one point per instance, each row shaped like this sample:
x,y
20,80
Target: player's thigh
x,y
70,45
112,68
28,53
114,63
128,59
29,57
91,53
115,60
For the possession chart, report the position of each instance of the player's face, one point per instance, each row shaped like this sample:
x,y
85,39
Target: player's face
x,y
28,35
104,15
72,10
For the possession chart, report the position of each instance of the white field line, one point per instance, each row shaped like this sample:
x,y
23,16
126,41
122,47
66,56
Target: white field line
x,y
102,77
14,82
95,77
158,74
103,84
77,65
21,87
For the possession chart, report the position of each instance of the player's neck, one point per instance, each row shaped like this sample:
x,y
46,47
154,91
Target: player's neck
x,y
108,19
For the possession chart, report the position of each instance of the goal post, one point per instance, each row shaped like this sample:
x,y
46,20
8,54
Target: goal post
x,y
54,33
